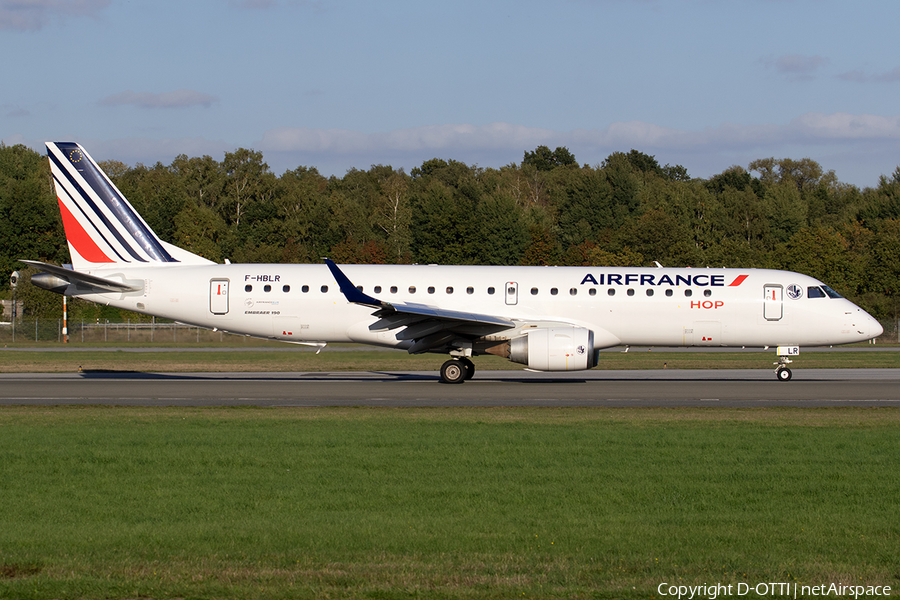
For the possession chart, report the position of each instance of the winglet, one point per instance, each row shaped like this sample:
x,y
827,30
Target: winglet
x,y
350,291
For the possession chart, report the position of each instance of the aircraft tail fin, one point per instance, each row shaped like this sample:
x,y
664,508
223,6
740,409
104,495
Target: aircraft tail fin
x,y
102,228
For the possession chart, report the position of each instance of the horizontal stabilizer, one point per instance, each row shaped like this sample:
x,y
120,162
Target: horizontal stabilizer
x,y
83,280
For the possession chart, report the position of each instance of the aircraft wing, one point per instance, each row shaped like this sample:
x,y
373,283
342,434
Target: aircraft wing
x,y
82,280
429,327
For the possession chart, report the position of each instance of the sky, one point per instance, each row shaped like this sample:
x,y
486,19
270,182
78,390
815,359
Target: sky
x,y
341,84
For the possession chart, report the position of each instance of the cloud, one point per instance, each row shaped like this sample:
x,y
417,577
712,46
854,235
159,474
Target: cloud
x,y
837,127
253,4
441,139
857,76
841,137
13,111
796,66
31,15
431,138
176,99
859,147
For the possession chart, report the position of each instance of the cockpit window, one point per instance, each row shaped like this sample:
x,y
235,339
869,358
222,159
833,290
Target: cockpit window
x,y
831,293
814,292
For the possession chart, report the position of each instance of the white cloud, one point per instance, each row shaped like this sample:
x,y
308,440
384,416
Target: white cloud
x,y
858,147
443,139
31,15
176,99
818,127
429,137
823,137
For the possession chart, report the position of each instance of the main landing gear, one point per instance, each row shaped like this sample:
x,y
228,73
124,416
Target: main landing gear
x,y
457,370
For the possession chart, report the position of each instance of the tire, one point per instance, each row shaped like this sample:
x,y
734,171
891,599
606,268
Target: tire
x,y
453,371
783,374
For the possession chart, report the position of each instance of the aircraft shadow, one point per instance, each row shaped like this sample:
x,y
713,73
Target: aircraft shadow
x,y
400,376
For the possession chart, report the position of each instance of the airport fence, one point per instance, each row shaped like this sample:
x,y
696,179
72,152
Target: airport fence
x,y
166,332
51,330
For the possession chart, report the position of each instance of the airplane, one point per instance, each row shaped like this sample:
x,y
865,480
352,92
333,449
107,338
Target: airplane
x,y
546,318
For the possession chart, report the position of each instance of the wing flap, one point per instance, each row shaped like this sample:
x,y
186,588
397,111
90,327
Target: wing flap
x,y
430,328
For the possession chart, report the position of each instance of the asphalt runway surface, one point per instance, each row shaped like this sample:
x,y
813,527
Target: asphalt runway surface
x,y
666,388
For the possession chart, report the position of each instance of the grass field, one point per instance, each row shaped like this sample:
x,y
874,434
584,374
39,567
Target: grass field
x,y
186,359
442,503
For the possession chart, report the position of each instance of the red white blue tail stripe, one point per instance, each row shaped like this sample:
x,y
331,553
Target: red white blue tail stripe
x,y
101,226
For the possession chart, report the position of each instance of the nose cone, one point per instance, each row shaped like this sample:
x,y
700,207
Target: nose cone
x,y
866,326
875,328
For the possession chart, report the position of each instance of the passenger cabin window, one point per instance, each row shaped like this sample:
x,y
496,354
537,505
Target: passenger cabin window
x,y
377,289
393,289
573,291
630,292
669,292
553,291
649,291
470,290
412,289
304,289
267,288
449,289
592,291
324,289
430,289
611,291
286,289
814,292
248,288
490,291
534,291
688,293
707,293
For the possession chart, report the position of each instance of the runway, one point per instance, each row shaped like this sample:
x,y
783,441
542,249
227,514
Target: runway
x,y
672,388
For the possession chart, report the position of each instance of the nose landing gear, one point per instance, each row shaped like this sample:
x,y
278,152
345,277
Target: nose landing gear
x,y
782,372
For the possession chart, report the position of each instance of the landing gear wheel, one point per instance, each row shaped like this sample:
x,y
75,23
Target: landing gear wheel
x,y
470,367
453,371
783,374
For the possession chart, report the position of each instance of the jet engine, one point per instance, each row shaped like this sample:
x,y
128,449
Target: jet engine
x,y
555,349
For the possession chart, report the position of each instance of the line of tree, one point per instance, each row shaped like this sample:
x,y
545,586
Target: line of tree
x,y
547,210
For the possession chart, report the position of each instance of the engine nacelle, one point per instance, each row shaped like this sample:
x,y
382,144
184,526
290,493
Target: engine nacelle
x,y
555,349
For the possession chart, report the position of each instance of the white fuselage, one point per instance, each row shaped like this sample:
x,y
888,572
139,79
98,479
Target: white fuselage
x,y
631,306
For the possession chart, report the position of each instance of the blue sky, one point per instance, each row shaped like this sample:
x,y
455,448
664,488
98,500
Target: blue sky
x,y
338,84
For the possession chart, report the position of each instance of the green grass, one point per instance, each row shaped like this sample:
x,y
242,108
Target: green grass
x,y
441,503
188,360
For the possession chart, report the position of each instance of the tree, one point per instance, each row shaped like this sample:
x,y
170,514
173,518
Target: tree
x,y
30,225
393,212
544,160
803,174
248,179
637,161
199,229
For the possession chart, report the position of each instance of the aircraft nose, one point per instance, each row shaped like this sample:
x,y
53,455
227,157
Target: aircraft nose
x,y
868,326
876,328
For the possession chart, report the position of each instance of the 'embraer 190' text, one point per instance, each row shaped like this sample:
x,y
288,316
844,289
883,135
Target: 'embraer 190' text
x,y
699,280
